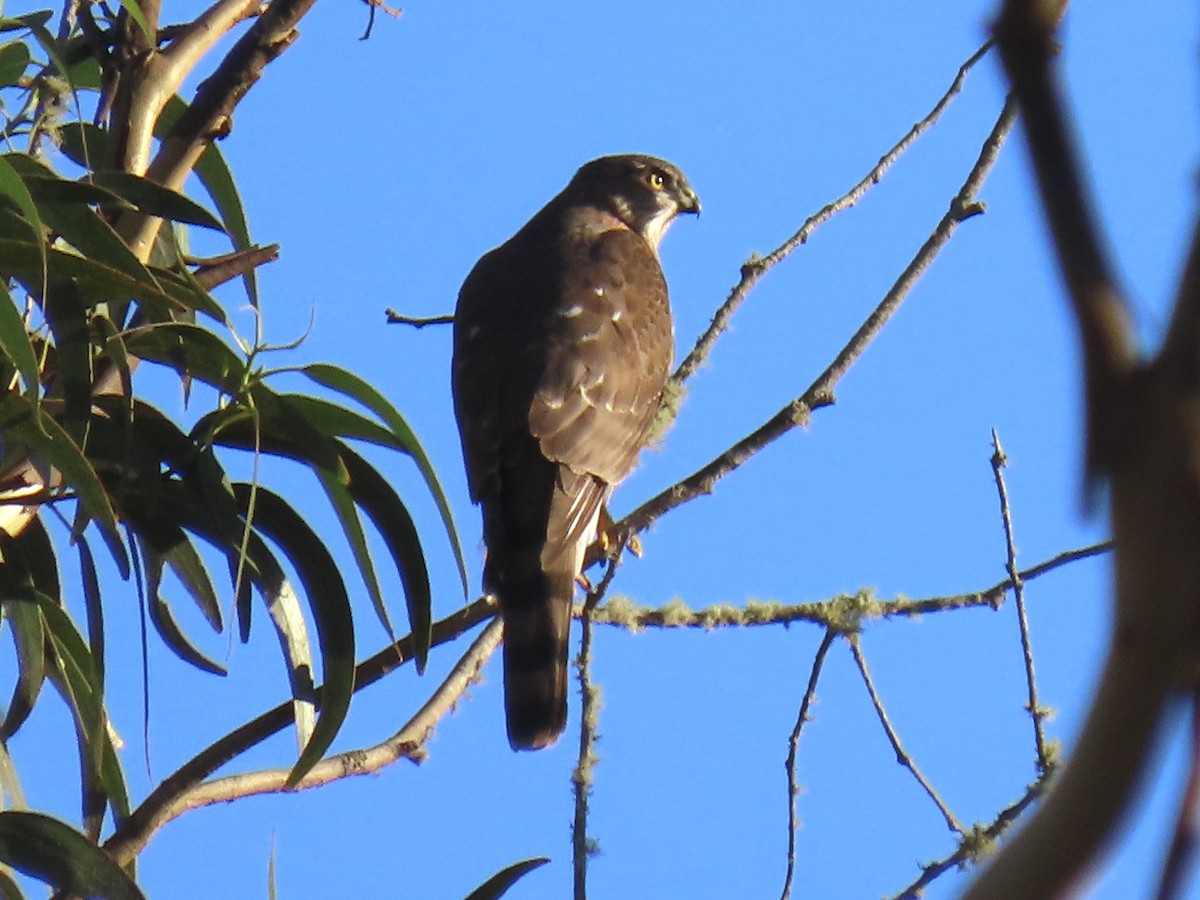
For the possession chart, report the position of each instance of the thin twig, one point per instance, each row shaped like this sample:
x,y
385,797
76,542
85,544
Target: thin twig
x,y
395,318
975,843
845,612
902,755
154,812
583,846
1036,712
820,392
810,694
757,266
408,743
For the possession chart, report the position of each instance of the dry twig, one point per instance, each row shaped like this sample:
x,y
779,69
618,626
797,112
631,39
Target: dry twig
x,y
806,702
1036,712
820,392
902,755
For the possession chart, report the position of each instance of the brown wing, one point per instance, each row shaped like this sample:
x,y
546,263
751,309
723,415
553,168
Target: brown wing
x,y
609,351
609,354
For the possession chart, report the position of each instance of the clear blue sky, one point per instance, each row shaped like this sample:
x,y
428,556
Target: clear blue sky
x,y
386,168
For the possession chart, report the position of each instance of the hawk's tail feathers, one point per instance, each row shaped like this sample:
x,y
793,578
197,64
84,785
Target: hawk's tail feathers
x,y
537,629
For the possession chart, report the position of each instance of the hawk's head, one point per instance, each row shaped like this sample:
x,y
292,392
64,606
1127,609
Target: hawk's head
x,y
644,192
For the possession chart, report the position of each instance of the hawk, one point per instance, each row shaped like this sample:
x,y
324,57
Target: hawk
x,y
562,346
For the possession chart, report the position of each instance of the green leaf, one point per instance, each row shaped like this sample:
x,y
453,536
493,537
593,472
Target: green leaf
x,y
12,187
14,60
217,179
18,602
383,505
283,432
189,568
292,631
330,605
41,433
12,796
55,853
65,209
91,600
498,884
114,349
39,552
191,351
285,427
98,282
337,421
41,17
75,675
15,344
344,382
161,615
84,144
135,13
67,317
154,199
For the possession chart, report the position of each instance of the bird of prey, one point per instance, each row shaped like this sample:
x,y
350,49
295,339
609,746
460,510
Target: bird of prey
x,y
562,345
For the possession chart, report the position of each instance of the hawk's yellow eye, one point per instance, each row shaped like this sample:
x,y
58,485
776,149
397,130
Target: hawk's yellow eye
x,y
656,180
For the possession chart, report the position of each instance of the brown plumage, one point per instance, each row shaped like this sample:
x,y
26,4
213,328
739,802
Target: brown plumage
x,y
562,346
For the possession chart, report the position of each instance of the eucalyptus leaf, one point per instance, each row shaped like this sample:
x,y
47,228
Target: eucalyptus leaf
x,y
57,854
330,606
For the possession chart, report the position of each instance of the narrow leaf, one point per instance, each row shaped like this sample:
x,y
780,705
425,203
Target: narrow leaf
x,y
76,677
15,344
14,60
8,888
161,615
330,605
135,12
338,379
498,884
189,568
12,796
283,431
55,853
383,505
215,175
191,351
45,436
66,315
12,187
154,199
91,600
18,601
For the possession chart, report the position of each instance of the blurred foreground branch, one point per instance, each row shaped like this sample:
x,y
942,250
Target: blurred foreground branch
x,y
1143,438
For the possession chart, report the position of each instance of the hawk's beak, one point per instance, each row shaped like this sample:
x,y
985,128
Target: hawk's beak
x,y
689,202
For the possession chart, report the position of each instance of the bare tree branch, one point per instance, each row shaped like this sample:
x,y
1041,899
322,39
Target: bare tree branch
x,y
582,844
902,755
208,115
1036,712
820,392
845,612
408,743
395,318
757,266
806,702
132,835
1144,433
975,843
